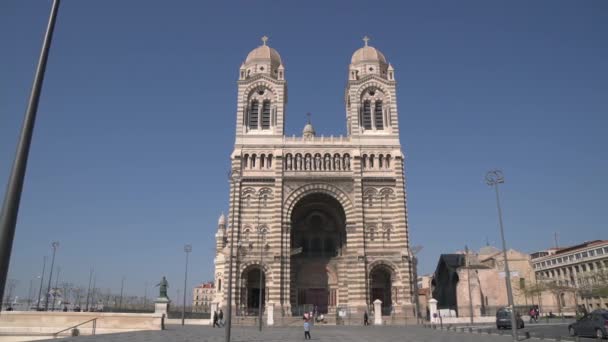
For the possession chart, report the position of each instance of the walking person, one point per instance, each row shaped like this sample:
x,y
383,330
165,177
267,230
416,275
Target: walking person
x,y
221,317
365,318
215,317
306,330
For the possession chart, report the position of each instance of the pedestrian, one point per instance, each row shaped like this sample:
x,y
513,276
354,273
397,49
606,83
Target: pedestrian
x,y
306,330
365,318
215,317
221,317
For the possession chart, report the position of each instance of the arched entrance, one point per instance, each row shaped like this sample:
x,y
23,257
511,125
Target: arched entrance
x,y
318,235
380,287
251,291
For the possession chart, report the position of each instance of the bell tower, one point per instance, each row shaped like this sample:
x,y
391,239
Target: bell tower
x,y
262,95
371,103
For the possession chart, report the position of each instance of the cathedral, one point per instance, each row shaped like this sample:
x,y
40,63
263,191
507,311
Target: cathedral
x,y
316,222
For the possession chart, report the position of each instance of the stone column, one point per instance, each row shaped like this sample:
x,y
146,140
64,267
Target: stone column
x,y
377,312
270,313
433,310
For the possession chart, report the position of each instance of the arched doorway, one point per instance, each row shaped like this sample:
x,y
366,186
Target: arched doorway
x,y
318,235
251,290
380,287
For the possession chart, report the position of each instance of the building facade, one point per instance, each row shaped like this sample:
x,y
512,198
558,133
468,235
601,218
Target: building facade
x,y
202,297
316,221
574,276
476,280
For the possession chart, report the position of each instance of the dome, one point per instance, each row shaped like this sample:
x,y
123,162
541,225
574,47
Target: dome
x,y
264,53
222,220
308,129
368,54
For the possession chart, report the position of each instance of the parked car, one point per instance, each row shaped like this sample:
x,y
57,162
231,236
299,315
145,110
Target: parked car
x,y
503,319
594,324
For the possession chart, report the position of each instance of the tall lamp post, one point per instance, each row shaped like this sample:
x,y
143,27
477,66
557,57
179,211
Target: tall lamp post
x,y
12,198
55,245
261,238
468,265
41,282
187,249
493,178
235,181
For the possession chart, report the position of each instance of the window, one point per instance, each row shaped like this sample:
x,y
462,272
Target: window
x,y
378,121
266,114
253,114
591,253
599,251
367,115
585,254
578,256
219,284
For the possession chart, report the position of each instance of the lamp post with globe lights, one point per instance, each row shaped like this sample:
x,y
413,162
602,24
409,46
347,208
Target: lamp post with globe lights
x,y
235,178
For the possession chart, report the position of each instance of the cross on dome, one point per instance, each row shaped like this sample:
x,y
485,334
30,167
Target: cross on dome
x,y
366,39
308,115
264,40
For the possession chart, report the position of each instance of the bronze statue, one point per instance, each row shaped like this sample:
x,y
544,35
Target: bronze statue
x,y
163,285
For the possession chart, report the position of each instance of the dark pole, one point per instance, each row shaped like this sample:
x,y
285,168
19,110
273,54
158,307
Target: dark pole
x,y
261,235
55,244
122,287
234,177
187,249
89,289
468,264
41,281
55,292
29,295
12,198
493,178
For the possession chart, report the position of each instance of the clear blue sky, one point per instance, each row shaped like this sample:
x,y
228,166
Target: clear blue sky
x,y
136,121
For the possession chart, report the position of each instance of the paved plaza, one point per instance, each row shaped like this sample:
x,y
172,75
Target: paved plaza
x,y
323,333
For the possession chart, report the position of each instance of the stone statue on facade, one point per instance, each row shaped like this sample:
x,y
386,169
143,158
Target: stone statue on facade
x,y
318,162
163,285
347,162
288,163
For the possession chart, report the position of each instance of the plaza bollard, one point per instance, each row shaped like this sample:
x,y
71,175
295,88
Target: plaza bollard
x,y
470,330
527,335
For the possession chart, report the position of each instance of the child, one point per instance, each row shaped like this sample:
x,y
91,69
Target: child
x,y
306,330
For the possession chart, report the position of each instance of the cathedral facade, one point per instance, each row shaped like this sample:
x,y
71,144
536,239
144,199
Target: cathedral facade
x,y
316,222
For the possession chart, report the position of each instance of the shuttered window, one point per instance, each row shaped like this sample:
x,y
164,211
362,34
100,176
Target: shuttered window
x,y
253,114
266,114
378,115
367,115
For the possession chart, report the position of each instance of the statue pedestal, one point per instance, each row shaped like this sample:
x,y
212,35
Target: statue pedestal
x,y
377,312
161,305
270,313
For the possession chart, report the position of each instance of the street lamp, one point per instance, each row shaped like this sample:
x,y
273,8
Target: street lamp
x,y
41,281
187,249
12,198
234,178
55,245
468,265
261,236
493,178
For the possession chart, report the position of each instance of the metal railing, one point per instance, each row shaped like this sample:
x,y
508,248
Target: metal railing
x,y
94,320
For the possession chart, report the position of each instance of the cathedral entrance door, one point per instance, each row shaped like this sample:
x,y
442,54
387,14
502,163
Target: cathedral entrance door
x,y
318,233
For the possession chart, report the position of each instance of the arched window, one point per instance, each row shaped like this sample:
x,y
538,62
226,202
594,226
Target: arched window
x,y
364,161
388,161
269,162
253,158
367,114
254,114
378,115
246,161
262,161
371,161
380,161
266,114
219,285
